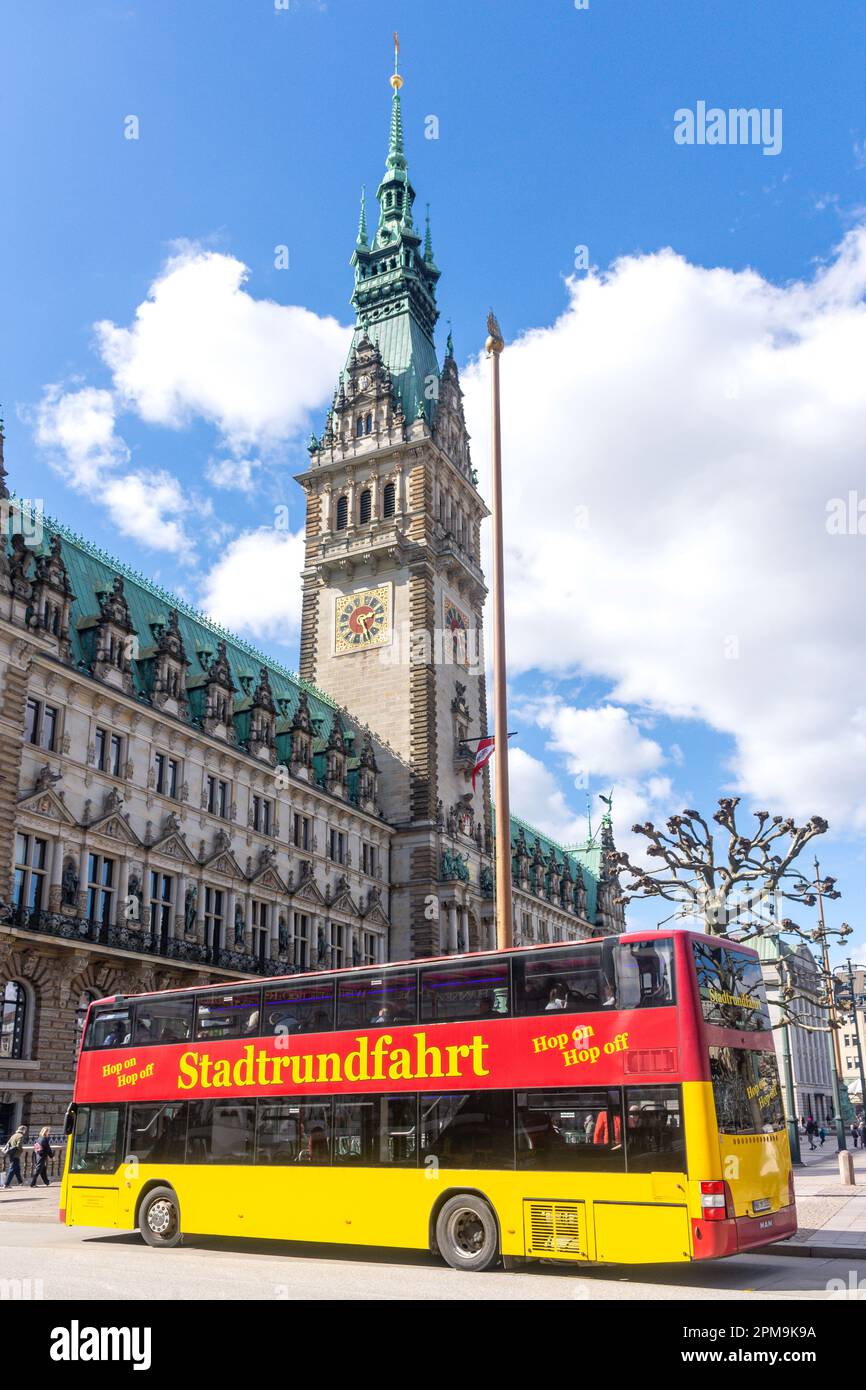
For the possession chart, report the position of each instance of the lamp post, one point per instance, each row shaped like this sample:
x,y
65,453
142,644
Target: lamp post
x,y
504,908
787,1069
835,1055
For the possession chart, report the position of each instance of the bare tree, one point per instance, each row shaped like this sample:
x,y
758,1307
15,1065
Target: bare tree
x,y
727,887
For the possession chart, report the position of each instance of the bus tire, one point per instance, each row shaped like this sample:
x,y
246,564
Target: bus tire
x,y
466,1233
159,1218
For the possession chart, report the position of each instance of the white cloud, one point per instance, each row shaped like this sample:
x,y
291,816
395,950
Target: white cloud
x,y
201,345
232,473
604,742
536,798
77,428
151,509
255,587
703,418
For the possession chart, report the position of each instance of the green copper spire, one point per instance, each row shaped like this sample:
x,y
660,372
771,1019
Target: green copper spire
x,y
428,244
449,342
362,220
395,277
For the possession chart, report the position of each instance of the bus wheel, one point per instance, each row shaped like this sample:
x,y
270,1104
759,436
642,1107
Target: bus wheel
x,y
466,1233
159,1218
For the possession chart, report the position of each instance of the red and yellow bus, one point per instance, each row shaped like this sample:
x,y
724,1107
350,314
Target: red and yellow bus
x,y
614,1100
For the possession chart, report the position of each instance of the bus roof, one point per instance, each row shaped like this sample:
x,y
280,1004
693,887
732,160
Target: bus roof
x,y
658,934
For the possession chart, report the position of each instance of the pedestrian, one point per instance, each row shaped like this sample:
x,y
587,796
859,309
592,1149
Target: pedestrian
x,y
811,1127
822,1134
43,1151
13,1149
855,1132
862,1128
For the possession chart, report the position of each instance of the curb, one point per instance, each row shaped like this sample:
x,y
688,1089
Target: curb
x,y
823,1252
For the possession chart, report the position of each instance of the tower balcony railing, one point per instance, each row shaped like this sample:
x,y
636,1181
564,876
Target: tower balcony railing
x,y
86,930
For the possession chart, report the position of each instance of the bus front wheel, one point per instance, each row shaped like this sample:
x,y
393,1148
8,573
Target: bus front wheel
x,y
466,1233
159,1218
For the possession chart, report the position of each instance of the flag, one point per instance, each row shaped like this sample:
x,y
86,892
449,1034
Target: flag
x,y
483,754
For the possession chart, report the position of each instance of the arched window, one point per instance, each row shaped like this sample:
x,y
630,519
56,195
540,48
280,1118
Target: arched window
x,y
359,426
13,1021
368,423
342,513
366,506
389,500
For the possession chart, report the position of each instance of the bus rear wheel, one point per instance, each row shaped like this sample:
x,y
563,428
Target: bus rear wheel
x,y
159,1218
466,1233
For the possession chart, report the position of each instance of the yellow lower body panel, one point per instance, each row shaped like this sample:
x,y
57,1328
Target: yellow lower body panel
x,y
628,1233
544,1215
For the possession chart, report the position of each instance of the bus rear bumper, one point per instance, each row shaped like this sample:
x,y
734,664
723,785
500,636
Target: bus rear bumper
x,y
713,1239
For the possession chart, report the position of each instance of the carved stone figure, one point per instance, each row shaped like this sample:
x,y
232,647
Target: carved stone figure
x,y
190,907
69,884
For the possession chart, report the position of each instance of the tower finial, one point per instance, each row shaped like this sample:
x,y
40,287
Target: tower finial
x,y
362,220
428,244
395,78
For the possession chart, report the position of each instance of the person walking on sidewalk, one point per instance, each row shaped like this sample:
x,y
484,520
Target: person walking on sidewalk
x,y
811,1129
862,1128
822,1135
13,1149
855,1132
43,1151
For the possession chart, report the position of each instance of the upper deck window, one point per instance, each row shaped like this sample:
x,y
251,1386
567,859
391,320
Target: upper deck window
x,y
465,990
109,1027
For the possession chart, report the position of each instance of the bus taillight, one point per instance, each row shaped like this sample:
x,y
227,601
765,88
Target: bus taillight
x,y
716,1201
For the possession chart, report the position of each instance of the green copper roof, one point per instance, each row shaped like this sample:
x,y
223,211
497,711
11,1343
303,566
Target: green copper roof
x,y
588,856
92,571
395,283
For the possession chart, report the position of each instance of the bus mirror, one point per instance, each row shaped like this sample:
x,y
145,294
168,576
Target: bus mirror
x,y
69,1122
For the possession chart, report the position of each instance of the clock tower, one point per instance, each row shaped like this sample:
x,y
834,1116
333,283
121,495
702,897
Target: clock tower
x,y
393,589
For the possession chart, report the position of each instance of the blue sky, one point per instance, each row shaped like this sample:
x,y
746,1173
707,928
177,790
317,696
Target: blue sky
x,y
555,129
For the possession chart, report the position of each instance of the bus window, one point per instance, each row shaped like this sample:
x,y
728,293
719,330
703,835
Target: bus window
x,y
302,1008
655,1141
109,1027
746,1090
167,1020
571,979
374,1131
294,1132
377,1001
643,972
468,1131
157,1133
232,1013
731,987
570,1130
466,990
96,1143
221,1131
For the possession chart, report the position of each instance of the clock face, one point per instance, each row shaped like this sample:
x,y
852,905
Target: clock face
x,y
362,620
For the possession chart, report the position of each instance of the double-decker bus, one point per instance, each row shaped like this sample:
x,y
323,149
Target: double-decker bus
x,y
613,1100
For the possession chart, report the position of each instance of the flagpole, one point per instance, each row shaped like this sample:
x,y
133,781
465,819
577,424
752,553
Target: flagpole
x,y
504,911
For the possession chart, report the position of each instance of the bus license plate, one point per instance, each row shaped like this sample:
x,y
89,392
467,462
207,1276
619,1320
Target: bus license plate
x,y
761,1204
